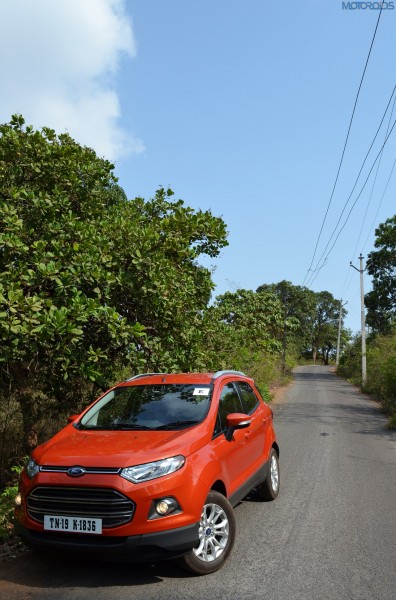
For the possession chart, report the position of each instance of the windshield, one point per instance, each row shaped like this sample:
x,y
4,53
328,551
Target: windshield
x,y
149,407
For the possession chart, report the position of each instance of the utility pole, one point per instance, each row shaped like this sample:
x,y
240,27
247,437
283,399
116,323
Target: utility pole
x,y
363,319
339,332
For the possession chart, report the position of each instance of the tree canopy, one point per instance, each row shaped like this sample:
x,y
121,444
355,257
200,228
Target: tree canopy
x,y
381,264
90,281
315,316
298,307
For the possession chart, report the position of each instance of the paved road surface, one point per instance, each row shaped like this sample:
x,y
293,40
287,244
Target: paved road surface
x,y
330,535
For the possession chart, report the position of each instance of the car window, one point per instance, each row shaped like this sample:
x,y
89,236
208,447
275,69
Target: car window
x,y
149,407
229,403
249,398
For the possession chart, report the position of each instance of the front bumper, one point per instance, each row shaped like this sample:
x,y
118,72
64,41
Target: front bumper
x,y
138,548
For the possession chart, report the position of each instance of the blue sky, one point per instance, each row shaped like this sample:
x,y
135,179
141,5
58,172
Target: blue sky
x,y
240,107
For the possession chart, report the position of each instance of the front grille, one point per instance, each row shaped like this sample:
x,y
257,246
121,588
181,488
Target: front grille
x,y
109,505
88,470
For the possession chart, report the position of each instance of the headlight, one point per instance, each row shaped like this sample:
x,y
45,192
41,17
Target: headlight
x,y
153,470
32,468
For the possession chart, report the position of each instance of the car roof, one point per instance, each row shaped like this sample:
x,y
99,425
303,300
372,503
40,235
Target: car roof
x,y
179,378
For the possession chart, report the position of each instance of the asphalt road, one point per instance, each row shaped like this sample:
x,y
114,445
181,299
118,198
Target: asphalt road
x,y
331,533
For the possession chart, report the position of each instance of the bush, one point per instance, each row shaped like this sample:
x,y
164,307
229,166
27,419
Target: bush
x,y
7,504
381,370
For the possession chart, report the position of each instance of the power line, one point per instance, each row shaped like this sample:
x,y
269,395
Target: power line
x,y
380,202
346,283
352,207
345,144
319,268
314,271
374,182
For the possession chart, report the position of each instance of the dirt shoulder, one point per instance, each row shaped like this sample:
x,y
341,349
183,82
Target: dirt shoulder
x,y
278,394
11,548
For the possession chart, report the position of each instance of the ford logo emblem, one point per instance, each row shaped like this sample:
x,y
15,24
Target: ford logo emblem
x,y
76,471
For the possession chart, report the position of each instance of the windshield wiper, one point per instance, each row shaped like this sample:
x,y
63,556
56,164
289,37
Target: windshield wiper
x,y
128,427
177,425
117,427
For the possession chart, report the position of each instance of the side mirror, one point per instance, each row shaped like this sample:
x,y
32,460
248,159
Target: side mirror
x,y
236,421
72,418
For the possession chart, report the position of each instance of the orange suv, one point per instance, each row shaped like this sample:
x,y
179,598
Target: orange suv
x,y
151,470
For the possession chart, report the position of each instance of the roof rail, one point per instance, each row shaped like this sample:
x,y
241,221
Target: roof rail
x,y
220,373
144,375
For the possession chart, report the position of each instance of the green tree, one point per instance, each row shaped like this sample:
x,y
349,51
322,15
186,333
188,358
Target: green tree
x,y
90,283
53,325
325,326
381,264
299,304
241,331
163,286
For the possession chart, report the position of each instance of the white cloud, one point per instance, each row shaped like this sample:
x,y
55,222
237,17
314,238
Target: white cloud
x,y
58,61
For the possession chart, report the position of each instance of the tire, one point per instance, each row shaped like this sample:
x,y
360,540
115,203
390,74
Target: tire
x,y
270,488
216,537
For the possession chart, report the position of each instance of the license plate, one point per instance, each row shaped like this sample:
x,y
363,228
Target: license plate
x,y
72,524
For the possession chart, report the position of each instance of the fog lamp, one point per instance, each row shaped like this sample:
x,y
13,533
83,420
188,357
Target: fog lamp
x,y
18,500
165,506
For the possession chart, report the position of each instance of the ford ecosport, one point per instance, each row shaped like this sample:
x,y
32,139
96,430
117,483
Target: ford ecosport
x,y
151,470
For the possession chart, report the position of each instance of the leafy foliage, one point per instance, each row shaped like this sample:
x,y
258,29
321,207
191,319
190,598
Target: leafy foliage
x,y
90,283
381,312
325,326
7,504
381,369
298,309
381,264
314,318
241,332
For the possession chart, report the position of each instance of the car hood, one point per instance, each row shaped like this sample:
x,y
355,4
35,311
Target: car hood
x,y
118,448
